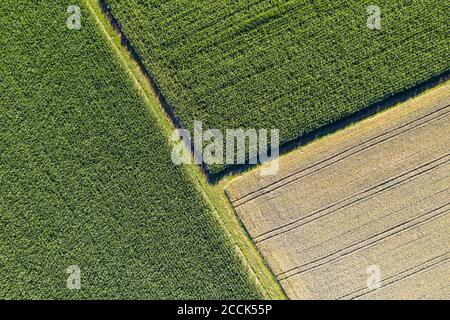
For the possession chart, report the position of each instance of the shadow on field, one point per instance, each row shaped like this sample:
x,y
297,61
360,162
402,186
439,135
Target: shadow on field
x,y
167,107
214,177
394,99
126,43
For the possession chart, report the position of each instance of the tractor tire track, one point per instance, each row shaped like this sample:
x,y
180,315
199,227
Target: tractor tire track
x,y
355,198
438,114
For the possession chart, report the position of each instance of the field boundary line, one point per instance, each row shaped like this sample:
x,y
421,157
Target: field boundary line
x,y
246,252
276,185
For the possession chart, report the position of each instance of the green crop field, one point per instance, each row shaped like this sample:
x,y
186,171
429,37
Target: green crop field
x,y
293,65
86,176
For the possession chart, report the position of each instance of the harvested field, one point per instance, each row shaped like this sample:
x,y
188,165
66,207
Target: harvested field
x,y
375,194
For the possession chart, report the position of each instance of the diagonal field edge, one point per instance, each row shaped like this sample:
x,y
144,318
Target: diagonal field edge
x,y
214,177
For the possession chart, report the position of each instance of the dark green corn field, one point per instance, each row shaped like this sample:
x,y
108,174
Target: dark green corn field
x,y
292,65
86,176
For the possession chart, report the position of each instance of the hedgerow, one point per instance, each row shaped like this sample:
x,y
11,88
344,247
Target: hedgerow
x,y
292,65
86,176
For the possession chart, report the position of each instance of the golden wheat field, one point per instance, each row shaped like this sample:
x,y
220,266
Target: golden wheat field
x,y
373,197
